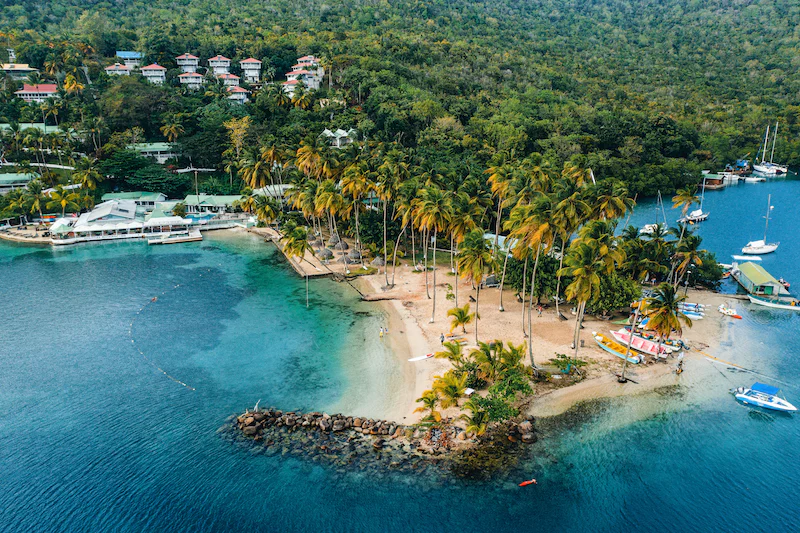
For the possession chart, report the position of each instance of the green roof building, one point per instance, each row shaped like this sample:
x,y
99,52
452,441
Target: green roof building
x,y
161,152
9,182
143,199
210,203
755,280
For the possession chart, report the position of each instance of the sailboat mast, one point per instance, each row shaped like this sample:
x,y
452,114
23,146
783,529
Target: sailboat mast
x,y
703,194
663,213
766,225
764,151
774,138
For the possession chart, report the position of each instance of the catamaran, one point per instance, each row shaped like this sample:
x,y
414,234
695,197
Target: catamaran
x,y
765,167
765,396
649,229
762,247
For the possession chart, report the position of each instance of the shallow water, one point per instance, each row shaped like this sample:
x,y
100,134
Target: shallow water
x,y
93,437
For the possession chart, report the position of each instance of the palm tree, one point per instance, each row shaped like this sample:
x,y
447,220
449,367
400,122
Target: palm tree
x,y
356,184
86,174
330,201
663,310
295,245
64,199
465,215
171,130
500,181
609,200
478,421
301,98
429,400
450,387
72,85
489,360
391,173
34,197
432,211
453,352
688,254
684,198
585,265
461,317
474,257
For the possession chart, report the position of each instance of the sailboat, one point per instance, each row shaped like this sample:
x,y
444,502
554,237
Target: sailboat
x,y
697,215
649,229
768,167
762,246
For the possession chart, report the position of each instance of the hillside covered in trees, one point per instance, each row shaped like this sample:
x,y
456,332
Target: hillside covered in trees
x,y
644,91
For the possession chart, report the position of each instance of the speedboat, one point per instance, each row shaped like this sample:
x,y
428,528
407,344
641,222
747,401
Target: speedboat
x,y
788,304
760,247
765,396
727,311
755,179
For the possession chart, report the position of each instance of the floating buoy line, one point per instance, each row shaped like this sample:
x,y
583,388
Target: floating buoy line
x,y
150,361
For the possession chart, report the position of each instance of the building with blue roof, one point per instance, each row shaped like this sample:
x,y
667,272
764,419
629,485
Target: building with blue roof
x,y
130,58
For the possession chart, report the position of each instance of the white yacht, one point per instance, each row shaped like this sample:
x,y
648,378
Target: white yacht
x,y
761,246
765,396
769,168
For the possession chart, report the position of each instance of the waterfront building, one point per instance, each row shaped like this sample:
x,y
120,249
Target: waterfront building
x,y
192,80
37,93
188,63
756,280
118,69
17,71
238,94
307,71
154,73
210,204
219,65
251,69
145,201
129,58
14,180
161,152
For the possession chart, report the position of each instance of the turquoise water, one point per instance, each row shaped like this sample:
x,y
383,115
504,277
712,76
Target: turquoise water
x,y
94,438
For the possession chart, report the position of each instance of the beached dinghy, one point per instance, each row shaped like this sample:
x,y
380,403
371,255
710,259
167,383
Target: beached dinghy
x,y
728,311
640,344
615,348
765,396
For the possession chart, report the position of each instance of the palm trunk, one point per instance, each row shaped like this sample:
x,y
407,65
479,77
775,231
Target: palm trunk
x,y
477,303
576,340
524,280
674,262
413,248
503,279
530,305
456,283
630,341
394,254
452,253
385,271
358,238
425,251
558,275
433,312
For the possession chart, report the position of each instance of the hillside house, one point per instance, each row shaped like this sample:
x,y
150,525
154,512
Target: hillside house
x,y
192,80
229,80
161,152
130,59
188,63
17,71
251,70
238,94
219,65
37,93
118,69
154,73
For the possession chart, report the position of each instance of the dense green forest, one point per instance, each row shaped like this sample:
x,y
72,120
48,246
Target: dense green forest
x,y
643,91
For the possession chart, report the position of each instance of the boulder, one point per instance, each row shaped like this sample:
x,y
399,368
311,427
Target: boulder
x,y
529,438
357,422
249,421
325,424
525,427
339,425
258,417
378,444
250,431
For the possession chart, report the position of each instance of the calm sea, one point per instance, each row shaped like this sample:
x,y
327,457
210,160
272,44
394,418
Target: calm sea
x,y
98,433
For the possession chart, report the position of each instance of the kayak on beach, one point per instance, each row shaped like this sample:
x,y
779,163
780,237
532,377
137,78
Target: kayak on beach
x,y
420,358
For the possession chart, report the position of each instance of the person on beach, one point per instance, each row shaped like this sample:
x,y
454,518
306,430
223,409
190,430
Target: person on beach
x,y
441,339
381,333
539,310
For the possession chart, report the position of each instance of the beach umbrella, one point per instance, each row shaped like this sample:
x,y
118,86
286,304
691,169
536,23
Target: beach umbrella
x,y
378,262
334,239
341,246
325,253
354,254
346,260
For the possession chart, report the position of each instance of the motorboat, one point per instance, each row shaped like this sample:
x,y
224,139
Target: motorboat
x,y
175,237
765,396
640,344
755,179
788,304
761,246
694,217
615,348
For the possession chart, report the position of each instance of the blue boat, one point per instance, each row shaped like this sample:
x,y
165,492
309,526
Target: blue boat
x,y
765,396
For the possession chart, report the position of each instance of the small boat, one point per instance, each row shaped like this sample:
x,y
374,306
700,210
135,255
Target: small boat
x,y
177,237
692,315
694,217
420,358
672,343
615,348
762,247
789,304
765,396
769,168
755,179
528,482
640,344
649,229
690,305
727,311
746,258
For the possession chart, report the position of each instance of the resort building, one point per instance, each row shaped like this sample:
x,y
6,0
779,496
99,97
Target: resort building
x,y
130,59
755,280
340,138
145,201
37,93
229,80
219,64
17,71
251,69
238,94
307,71
118,69
192,80
209,203
114,220
289,87
161,152
9,182
188,63
155,73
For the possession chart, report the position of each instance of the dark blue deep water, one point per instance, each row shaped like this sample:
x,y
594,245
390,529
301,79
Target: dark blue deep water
x,y
93,437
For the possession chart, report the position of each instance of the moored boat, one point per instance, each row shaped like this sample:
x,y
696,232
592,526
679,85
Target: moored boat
x,y
789,304
615,348
640,344
177,237
765,396
762,247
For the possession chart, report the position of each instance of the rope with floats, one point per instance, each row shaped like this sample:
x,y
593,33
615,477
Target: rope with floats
x,y
141,353
717,360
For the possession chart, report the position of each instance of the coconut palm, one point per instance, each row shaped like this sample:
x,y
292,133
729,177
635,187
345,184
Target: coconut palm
x,y
453,352
450,387
429,400
295,245
171,131
474,258
489,360
356,184
392,172
34,197
460,317
465,216
72,85
500,181
301,98
63,198
688,254
478,420
609,200
432,210
511,357
663,310
86,174
684,198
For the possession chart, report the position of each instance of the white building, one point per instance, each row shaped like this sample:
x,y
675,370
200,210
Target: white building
x,y
37,93
340,138
17,71
229,80
145,201
188,63
251,70
131,59
118,70
219,64
161,152
192,80
154,73
306,71
238,94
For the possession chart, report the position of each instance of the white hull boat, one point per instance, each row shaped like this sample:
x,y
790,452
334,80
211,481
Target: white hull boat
x,y
754,179
770,169
760,247
649,229
694,217
764,396
788,304
178,237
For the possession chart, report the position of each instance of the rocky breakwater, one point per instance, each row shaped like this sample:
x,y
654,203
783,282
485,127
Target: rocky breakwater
x,y
347,442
